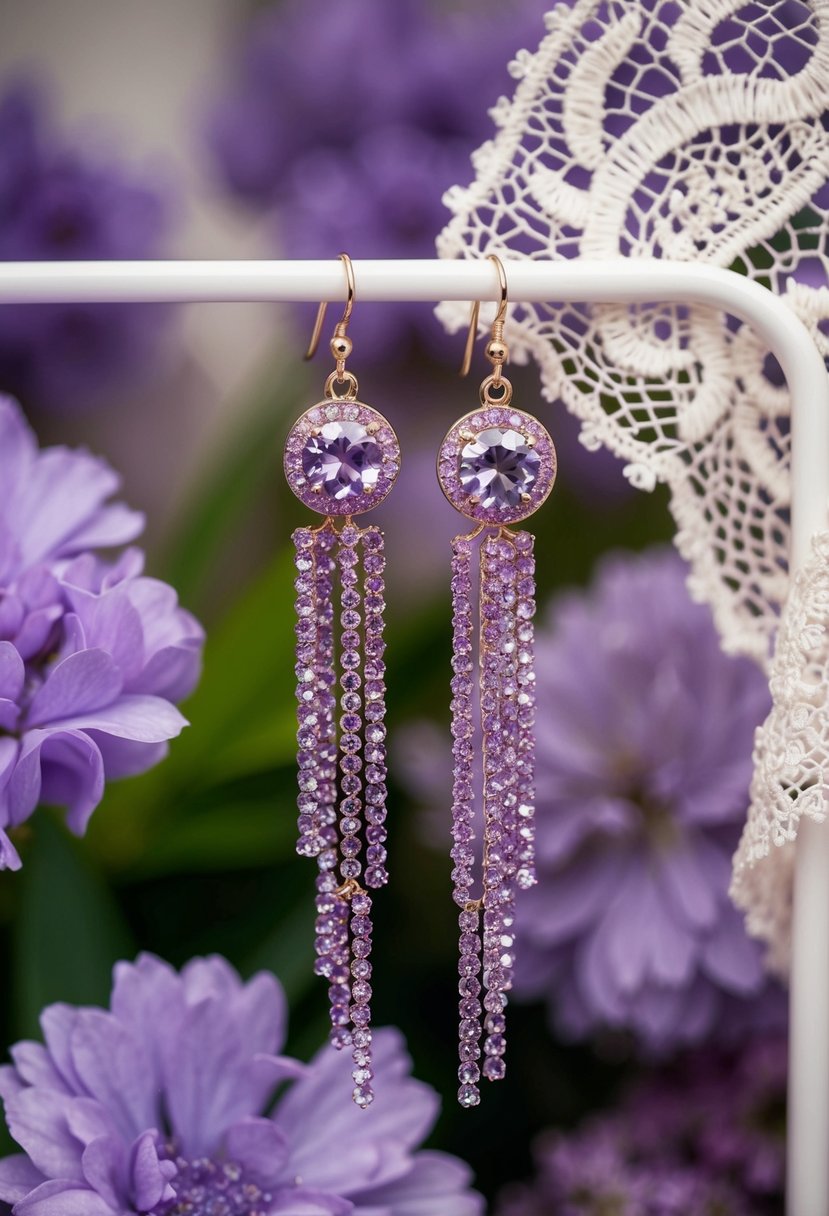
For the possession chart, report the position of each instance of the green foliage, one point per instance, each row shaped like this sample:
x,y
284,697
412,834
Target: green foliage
x,y
68,931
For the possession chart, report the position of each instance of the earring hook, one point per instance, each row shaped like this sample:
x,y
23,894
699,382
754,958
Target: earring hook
x,y
500,316
342,324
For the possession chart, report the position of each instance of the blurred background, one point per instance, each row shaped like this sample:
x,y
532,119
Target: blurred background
x,y
214,128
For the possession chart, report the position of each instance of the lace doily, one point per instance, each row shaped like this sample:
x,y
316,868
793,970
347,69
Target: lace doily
x,y
791,758
690,130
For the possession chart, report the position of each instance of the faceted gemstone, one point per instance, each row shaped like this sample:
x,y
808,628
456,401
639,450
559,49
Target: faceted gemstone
x,y
498,466
342,459
495,1045
494,1068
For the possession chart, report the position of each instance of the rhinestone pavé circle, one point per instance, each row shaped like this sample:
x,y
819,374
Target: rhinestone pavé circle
x,y
341,458
497,465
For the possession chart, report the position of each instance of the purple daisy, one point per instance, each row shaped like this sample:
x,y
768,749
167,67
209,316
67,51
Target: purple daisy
x,y
165,1104
644,730
645,733
92,654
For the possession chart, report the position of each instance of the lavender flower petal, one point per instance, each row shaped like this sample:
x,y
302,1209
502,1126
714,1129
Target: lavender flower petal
x,y
18,1177
58,1199
194,1049
92,654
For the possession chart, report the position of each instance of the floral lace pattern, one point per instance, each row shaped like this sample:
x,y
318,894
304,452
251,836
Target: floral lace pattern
x,y
791,757
688,131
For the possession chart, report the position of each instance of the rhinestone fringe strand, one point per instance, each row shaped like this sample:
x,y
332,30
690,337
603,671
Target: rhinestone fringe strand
x,y
342,764
506,692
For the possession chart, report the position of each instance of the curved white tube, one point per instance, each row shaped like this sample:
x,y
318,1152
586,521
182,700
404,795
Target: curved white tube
x,y
618,281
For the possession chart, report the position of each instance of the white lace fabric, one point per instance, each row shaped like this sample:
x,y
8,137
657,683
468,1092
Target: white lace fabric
x,y
691,130
791,757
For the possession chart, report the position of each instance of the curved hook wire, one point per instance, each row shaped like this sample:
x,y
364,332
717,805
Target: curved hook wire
x,y
342,324
500,316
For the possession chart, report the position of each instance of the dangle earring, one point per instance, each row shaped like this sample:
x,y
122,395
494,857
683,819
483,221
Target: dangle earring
x,y
496,466
341,459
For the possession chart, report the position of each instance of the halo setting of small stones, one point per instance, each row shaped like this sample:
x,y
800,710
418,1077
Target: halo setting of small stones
x,y
341,457
497,465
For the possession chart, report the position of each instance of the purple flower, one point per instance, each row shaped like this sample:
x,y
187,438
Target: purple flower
x,y
92,654
593,1173
712,1127
723,1111
167,1100
357,152
58,203
644,732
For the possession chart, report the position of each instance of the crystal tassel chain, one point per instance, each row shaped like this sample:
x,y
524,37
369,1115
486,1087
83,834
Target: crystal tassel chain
x,y
343,925
506,604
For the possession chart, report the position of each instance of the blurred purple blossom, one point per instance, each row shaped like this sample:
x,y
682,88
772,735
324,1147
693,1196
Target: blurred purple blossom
x,y
591,1174
164,1104
92,654
644,730
350,121
712,1128
60,202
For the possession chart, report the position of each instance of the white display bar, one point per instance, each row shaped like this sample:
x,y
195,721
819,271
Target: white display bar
x,y
621,281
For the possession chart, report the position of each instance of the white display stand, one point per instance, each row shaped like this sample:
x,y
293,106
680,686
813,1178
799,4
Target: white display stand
x,y
619,282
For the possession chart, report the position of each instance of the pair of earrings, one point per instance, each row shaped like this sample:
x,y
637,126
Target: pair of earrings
x,y
496,465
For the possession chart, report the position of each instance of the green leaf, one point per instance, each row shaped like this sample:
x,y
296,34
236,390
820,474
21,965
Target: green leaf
x,y
288,950
248,458
68,931
251,822
248,672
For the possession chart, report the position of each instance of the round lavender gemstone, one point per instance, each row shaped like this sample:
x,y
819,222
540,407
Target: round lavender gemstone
x,y
343,459
498,466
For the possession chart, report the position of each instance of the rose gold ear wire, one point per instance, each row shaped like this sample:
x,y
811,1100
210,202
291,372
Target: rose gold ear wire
x,y
342,325
497,324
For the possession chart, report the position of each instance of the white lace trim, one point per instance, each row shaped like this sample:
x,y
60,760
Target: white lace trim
x,y
653,128
791,757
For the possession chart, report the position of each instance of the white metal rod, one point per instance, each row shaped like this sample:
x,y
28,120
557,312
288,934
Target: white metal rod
x,y
618,281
